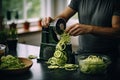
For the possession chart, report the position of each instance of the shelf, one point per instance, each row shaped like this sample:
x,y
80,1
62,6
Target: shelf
x,y
31,30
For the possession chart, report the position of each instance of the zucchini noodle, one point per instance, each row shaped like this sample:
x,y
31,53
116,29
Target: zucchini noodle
x,y
10,62
92,64
65,39
59,59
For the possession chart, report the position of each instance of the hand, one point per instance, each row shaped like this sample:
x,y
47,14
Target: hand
x,y
78,29
46,21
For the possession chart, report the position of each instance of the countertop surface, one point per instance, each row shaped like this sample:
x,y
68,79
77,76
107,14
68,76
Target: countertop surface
x,y
39,70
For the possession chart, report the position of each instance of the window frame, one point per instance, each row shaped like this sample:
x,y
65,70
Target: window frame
x,y
48,8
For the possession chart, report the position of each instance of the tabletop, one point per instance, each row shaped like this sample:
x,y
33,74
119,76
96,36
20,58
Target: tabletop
x,y
40,71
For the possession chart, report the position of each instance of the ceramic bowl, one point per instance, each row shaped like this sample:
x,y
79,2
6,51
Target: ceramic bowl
x,y
28,63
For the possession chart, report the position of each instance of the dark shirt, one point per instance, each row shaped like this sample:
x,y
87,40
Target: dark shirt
x,y
99,13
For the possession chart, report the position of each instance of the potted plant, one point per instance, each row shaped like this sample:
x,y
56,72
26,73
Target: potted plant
x,y
26,25
39,23
12,37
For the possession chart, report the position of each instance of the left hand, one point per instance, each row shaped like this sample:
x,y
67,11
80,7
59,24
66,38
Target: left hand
x,y
78,29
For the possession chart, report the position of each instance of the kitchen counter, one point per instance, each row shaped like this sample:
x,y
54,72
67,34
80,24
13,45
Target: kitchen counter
x,y
39,70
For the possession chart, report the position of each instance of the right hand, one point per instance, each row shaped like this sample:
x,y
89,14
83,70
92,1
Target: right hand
x,y
46,21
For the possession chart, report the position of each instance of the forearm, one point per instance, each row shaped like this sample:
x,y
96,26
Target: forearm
x,y
113,30
61,16
66,14
106,31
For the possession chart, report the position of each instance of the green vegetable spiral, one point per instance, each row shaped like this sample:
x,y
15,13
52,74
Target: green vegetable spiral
x,y
92,64
10,62
59,60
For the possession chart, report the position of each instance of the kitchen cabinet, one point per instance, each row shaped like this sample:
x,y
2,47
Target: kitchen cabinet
x,y
32,38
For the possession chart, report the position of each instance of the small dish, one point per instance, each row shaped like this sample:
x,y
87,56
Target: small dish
x,y
28,63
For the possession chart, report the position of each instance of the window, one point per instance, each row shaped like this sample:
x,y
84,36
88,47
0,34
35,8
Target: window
x,y
21,9
68,1
32,10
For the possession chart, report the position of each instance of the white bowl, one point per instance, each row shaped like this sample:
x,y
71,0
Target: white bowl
x,y
2,49
93,64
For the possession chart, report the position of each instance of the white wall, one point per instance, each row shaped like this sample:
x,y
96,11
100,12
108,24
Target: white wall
x,y
52,7
60,6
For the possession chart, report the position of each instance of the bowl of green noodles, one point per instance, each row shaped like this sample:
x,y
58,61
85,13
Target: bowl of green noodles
x,y
13,65
93,63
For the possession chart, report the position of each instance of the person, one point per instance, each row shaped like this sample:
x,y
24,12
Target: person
x,y
98,28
